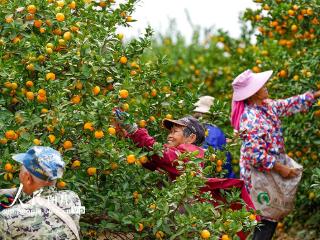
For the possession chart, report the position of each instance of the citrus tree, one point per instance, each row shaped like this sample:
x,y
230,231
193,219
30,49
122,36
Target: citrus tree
x,y
208,65
63,71
287,42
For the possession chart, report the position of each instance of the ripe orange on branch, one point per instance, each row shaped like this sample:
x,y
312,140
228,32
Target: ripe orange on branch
x,y
42,92
60,3
111,131
62,42
37,23
96,90
291,12
159,235
140,229
143,159
67,144
88,126
98,134
125,107
72,5
91,171
169,116
123,93
76,164
131,159
225,237
252,217
60,17
50,45
32,9
9,19
123,60
8,176
205,234
283,73
29,83
10,134
142,123
219,162
30,67
49,51
41,99
67,36
61,184
36,141
52,138
8,167
129,19
50,76
152,118
75,99
74,28
114,166
153,92
30,96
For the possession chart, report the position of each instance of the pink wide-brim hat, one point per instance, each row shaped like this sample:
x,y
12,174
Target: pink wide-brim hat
x,y
248,83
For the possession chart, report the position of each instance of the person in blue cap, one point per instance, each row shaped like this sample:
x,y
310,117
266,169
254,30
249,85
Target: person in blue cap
x,y
214,135
38,210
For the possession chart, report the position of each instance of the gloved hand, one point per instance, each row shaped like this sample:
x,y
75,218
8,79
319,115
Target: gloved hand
x,y
125,121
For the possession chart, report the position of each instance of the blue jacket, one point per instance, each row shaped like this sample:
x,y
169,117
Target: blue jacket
x,y
217,140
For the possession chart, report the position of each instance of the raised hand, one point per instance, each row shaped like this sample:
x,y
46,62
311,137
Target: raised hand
x,y
124,120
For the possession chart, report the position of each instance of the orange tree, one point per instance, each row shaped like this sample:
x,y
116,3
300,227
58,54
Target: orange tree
x,y
287,42
63,70
208,66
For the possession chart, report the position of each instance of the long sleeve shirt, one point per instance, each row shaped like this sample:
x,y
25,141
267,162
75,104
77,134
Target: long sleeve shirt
x,y
261,132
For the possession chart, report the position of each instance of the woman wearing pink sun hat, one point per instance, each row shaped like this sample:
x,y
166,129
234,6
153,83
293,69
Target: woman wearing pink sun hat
x,y
263,161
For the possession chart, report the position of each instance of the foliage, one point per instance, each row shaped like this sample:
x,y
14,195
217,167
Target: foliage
x,y
63,70
287,42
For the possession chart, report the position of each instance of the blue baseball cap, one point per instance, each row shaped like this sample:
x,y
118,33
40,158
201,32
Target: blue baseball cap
x,y
43,162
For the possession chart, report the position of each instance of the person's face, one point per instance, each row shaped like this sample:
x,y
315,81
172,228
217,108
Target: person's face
x,y
176,137
26,179
262,93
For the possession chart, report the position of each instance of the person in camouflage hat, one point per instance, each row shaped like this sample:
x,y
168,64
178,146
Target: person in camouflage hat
x,y
41,212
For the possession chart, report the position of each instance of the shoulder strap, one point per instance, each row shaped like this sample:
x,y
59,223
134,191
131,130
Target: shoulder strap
x,y
60,213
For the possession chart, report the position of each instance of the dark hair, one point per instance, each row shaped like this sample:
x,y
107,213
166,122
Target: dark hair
x,y
187,132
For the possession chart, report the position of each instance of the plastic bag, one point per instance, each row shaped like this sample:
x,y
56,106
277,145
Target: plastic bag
x,y
272,194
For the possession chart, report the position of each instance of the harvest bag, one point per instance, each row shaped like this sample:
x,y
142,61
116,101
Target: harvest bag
x,y
272,194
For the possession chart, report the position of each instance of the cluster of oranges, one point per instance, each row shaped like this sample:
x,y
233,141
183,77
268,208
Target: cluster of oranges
x,y
73,107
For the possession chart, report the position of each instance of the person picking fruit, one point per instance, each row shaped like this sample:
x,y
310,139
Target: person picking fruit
x,y
268,172
185,135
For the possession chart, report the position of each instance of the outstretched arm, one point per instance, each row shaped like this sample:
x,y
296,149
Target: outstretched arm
x,y
142,138
295,104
